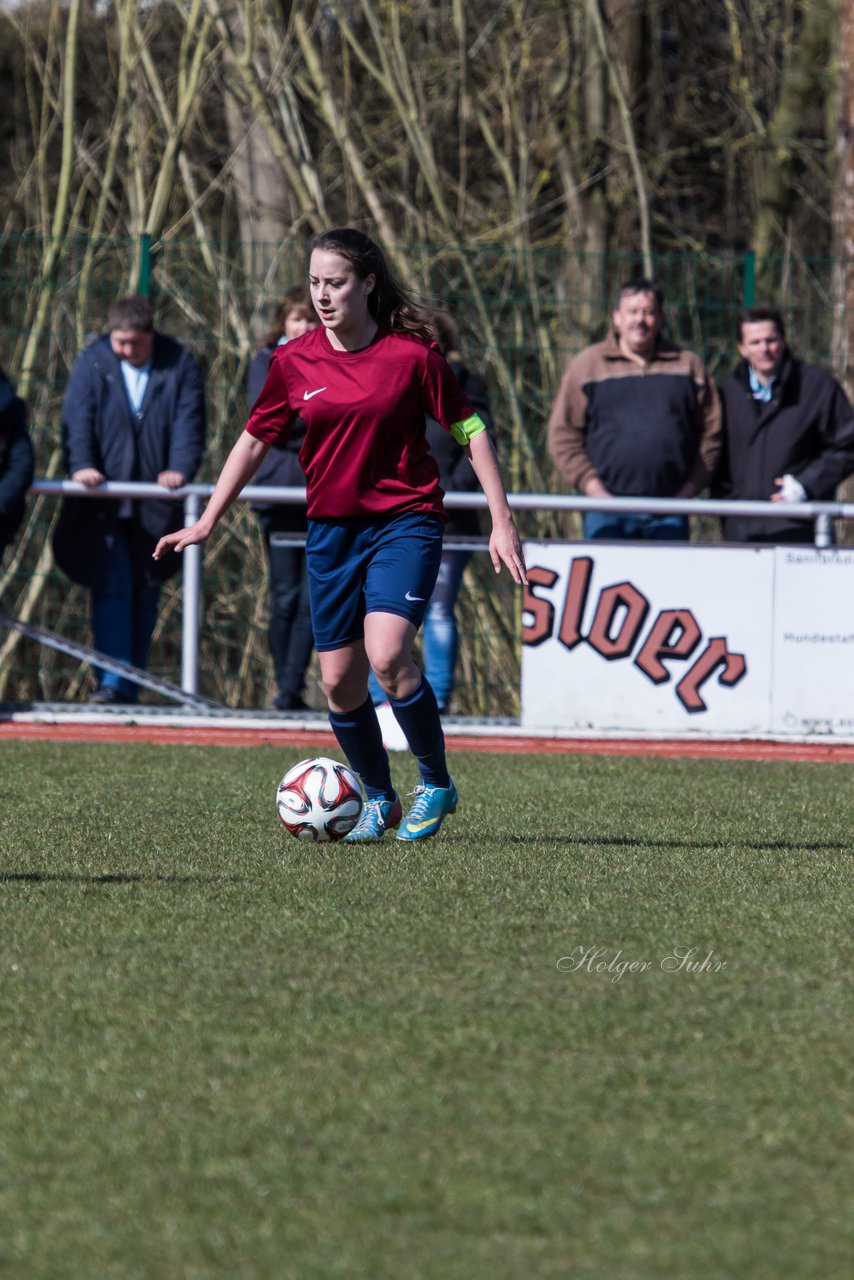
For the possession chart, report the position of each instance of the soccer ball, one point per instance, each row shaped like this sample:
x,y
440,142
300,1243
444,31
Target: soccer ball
x,y
319,800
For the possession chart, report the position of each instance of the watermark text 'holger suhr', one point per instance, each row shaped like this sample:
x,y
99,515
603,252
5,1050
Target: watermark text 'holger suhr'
x,y
688,960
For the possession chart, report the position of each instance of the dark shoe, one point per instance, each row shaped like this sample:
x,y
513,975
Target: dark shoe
x,y
289,702
107,696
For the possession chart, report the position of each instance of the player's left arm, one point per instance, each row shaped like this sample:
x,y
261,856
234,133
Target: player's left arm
x,y
504,542
445,401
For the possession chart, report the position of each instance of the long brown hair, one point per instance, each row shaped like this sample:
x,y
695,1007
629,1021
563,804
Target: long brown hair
x,y
389,302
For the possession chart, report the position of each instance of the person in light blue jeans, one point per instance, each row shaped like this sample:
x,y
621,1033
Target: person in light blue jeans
x,y
440,632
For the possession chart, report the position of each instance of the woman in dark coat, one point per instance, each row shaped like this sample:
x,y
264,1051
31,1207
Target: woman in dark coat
x,y
289,636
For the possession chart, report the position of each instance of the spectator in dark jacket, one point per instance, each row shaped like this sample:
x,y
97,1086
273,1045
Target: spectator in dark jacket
x,y
134,409
788,432
16,461
290,636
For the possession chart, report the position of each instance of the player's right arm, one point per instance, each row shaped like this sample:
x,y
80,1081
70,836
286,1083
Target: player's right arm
x,y
240,466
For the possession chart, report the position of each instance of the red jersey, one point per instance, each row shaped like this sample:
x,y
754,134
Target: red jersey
x,y
365,451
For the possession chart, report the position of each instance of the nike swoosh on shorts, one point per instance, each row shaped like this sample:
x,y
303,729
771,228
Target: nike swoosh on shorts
x,y
306,395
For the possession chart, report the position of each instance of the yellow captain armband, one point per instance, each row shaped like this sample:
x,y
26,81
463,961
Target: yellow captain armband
x,y
465,431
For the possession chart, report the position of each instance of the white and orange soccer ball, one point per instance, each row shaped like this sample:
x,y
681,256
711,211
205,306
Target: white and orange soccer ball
x,y
319,800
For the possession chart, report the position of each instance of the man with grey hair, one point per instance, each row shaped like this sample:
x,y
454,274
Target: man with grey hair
x,y
636,416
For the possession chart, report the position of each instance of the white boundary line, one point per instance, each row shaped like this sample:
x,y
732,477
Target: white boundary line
x,y
454,727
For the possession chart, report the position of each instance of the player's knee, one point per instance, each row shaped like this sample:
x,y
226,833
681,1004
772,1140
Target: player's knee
x,y
344,682
386,668
393,670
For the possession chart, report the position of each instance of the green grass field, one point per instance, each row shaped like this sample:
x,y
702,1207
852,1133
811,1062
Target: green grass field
x,y
226,1054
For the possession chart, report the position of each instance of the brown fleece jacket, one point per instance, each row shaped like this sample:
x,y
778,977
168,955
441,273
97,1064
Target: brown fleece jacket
x,y
643,430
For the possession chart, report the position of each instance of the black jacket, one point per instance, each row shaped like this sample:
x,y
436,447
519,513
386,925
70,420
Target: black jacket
x,y
281,465
16,461
100,429
806,431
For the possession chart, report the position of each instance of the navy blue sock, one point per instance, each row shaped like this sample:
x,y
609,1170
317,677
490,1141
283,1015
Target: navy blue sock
x,y
360,738
418,717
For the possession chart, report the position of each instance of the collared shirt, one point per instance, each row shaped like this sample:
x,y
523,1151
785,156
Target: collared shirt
x,y
760,390
136,380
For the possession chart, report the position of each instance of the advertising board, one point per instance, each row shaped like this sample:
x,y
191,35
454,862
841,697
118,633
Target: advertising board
x,y
672,639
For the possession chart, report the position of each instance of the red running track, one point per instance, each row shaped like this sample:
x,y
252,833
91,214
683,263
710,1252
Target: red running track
x,y
730,749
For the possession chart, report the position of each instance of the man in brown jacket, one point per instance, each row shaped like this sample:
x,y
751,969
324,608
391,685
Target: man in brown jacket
x,y
636,416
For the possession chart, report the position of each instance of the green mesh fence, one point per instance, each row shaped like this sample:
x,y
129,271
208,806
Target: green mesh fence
x,y
521,315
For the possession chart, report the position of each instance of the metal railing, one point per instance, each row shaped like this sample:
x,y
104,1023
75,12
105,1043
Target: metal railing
x,y
821,513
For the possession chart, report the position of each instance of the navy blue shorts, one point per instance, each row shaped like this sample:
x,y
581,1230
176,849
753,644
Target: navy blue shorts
x,y
358,566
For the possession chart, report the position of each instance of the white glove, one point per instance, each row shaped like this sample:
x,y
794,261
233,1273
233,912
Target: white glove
x,y
791,490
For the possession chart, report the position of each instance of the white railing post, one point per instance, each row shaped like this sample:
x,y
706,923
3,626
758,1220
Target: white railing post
x,y
823,531
192,583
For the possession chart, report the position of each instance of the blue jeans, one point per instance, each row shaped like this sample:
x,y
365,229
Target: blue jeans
x,y
604,524
124,614
440,636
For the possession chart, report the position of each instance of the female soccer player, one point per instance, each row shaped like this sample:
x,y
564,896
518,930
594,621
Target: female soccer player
x,y
362,384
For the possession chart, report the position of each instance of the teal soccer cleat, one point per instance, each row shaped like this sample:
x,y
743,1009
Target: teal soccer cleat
x,y
377,817
429,809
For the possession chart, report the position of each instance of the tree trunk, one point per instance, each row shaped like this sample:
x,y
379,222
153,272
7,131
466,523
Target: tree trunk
x,y
266,210
843,227
266,207
802,81
843,208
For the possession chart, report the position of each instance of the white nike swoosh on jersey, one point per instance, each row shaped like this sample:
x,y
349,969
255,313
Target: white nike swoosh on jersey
x,y
306,395
409,597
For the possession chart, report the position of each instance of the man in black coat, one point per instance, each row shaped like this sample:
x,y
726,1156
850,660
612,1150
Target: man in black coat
x,y
788,432
134,409
16,461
